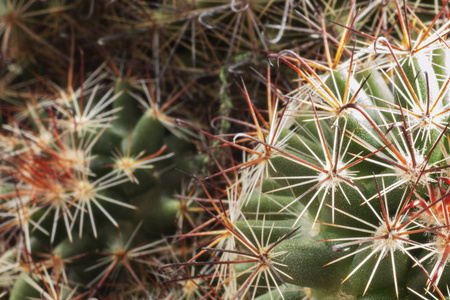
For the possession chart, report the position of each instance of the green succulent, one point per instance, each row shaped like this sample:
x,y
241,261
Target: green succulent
x,y
330,182
343,192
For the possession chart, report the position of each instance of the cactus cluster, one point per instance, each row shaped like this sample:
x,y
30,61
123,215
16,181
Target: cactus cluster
x,y
129,168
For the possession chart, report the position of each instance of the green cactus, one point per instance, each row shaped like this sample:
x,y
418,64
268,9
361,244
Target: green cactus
x,y
113,186
357,175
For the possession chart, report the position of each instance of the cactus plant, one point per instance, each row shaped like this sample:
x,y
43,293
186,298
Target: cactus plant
x,y
70,166
336,187
343,192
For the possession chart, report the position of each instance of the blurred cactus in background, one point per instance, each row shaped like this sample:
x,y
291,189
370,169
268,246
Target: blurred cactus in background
x,y
224,149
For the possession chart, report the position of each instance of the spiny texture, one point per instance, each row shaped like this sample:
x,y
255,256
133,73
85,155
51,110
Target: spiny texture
x,y
336,187
73,168
343,191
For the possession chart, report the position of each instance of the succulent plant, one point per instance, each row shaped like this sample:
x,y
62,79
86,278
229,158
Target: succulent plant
x,y
81,163
342,193
330,182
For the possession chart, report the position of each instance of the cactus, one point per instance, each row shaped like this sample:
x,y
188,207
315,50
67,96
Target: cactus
x,y
69,173
112,185
342,192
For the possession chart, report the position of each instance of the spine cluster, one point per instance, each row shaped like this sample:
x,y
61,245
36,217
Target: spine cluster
x,y
224,150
